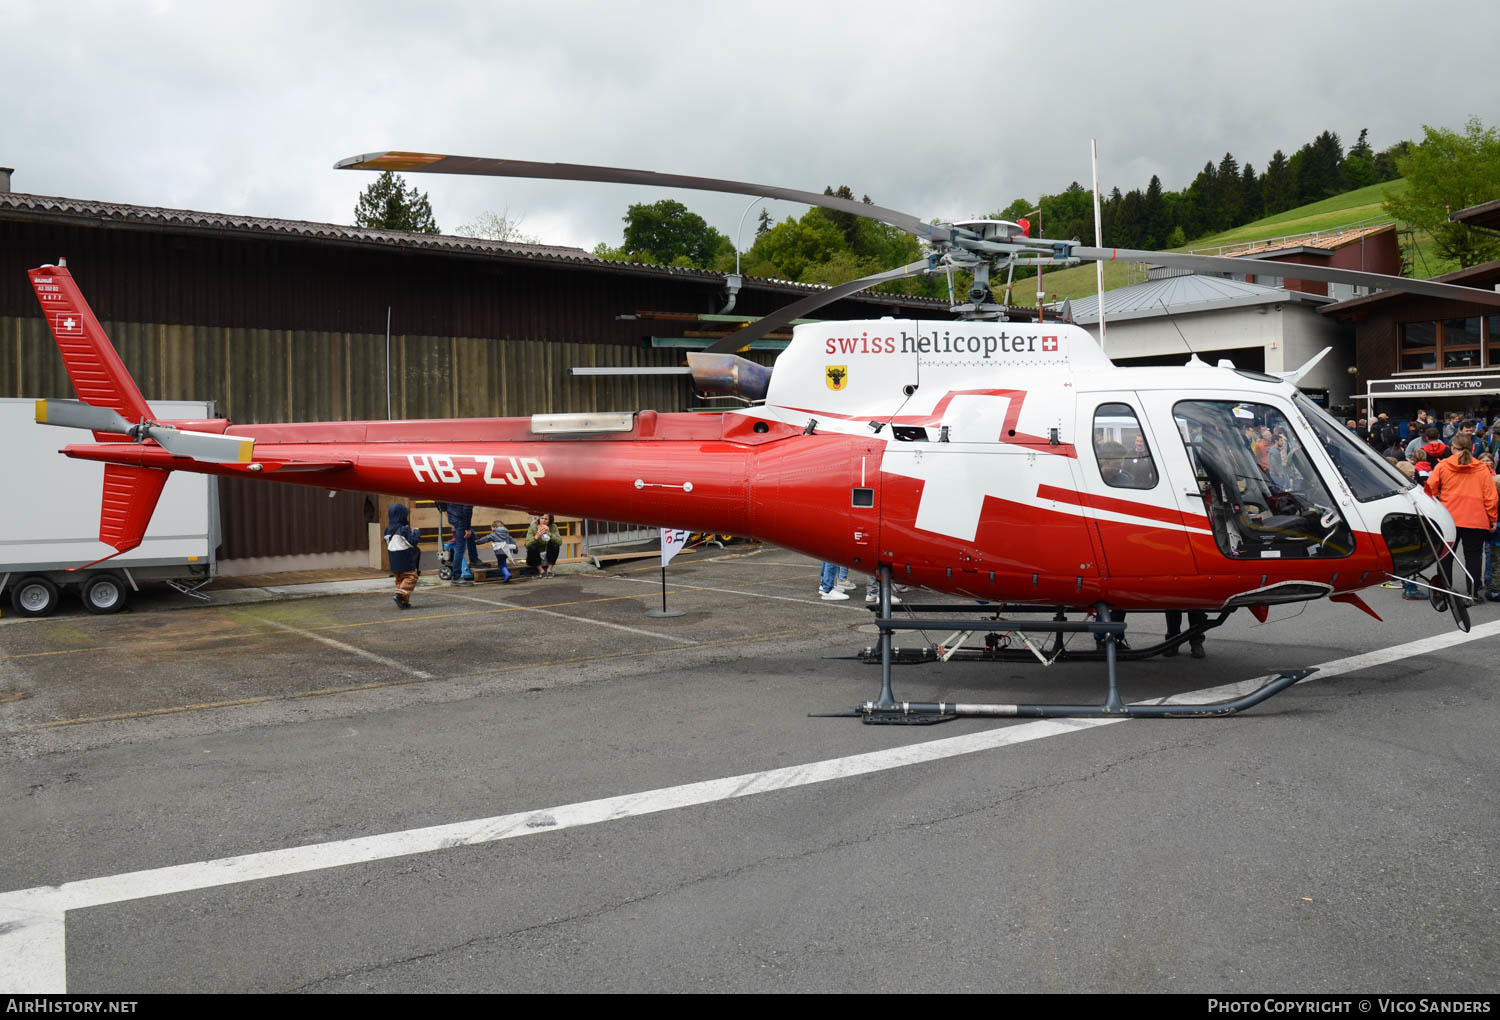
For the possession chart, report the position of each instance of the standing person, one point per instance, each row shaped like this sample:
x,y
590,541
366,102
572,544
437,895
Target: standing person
x,y
1284,473
461,520
828,586
1465,486
1196,618
401,541
1419,442
542,544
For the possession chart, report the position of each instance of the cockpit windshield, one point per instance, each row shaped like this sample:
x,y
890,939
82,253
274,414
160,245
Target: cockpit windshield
x,y
1369,475
1261,493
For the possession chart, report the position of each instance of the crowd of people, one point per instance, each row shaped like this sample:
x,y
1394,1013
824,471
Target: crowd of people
x,y
1453,458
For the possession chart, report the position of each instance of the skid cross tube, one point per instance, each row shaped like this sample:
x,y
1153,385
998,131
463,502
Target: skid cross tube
x,y
887,710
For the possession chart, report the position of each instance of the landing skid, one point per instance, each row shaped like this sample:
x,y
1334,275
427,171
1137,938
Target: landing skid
x,y
888,711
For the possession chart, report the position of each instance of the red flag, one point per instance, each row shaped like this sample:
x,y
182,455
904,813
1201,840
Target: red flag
x,y
1025,226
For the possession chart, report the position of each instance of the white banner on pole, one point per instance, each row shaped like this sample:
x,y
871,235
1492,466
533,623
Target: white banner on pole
x,y
672,541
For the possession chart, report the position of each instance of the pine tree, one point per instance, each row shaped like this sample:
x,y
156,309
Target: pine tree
x,y
1252,207
1231,202
1154,209
388,204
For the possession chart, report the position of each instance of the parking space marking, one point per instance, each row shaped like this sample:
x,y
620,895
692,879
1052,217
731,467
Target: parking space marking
x,y
853,603
33,956
351,649
375,685
574,619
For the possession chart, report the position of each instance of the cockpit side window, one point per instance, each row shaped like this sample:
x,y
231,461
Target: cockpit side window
x,y
1262,495
1120,448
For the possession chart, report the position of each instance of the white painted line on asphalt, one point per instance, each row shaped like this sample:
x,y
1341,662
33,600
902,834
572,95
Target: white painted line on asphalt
x,y
32,937
853,604
575,619
331,643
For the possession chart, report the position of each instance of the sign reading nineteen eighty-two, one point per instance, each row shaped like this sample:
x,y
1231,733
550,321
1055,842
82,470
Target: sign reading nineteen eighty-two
x,y
1396,387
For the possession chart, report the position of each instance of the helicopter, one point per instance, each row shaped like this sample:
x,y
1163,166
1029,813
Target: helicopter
x,y
1011,464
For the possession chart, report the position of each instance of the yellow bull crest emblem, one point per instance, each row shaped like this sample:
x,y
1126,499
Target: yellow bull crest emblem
x,y
837,376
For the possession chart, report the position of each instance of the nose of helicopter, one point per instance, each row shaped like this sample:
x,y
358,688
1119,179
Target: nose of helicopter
x,y
1437,515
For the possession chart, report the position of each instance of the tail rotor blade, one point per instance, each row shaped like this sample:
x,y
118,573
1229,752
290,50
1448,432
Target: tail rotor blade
x,y
205,446
78,415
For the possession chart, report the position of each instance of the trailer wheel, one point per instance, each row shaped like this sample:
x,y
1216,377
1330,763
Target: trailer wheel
x,y
103,594
33,596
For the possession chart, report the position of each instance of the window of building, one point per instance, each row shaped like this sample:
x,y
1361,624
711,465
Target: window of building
x,y
1448,344
1120,448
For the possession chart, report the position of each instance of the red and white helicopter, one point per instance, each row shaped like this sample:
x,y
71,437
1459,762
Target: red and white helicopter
x,y
1006,462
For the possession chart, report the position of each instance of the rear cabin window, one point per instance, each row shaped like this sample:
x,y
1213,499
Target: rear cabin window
x,y
1120,448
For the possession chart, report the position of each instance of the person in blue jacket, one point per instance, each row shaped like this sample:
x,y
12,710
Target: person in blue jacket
x,y
402,541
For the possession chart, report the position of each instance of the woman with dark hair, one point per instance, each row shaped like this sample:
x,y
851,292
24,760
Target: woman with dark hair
x,y
1465,486
541,540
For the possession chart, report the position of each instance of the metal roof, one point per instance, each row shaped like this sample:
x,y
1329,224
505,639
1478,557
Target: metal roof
x,y
52,209
1184,295
1324,242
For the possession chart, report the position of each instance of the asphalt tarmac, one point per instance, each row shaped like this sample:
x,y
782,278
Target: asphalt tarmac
x,y
536,787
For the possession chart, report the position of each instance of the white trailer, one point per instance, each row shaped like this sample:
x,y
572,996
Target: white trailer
x,y
50,520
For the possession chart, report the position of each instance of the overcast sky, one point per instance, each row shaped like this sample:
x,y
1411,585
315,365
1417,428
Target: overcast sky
x,y
938,109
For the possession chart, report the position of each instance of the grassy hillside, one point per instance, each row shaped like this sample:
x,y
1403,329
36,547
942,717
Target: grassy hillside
x,y
1362,206
1351,207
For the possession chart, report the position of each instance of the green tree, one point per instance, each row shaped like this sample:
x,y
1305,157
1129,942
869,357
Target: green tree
x,y
1231,201
1158,217
1446,172
1359,164
668,233
1385,161
1017,210
387,204
1252,208
1277,189
763,222
1069,213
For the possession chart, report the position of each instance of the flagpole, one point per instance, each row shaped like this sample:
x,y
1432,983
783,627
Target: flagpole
x,y
671,541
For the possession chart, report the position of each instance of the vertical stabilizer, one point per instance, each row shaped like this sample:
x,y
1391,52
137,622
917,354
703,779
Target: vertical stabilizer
x,y
98,375
130,495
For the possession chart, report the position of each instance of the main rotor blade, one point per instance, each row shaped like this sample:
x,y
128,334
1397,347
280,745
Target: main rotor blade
x,y
1295,271
432,163
797,309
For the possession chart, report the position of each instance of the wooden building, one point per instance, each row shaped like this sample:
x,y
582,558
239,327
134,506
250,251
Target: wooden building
x,y
1421,352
